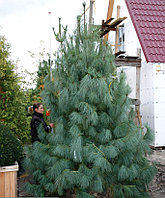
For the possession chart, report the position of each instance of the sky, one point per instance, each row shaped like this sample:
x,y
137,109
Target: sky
x,y
27,25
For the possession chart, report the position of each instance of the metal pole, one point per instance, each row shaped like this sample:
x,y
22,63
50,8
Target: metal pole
x,y
84,14
50,45
50,29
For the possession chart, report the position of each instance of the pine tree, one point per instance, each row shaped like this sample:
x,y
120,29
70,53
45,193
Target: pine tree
x,y
95,146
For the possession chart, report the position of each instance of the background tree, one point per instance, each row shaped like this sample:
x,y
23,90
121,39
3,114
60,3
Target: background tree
x,y
34,93
13,99
96,146
42,72
11,149
36,83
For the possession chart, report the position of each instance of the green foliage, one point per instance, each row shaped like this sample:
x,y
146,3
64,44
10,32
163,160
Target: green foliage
x,y
10,147
96,146
42,72
13,100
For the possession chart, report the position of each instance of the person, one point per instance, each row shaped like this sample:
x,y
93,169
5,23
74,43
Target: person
x,y
37,119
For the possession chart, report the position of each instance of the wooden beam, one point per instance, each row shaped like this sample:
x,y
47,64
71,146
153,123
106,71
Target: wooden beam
x,y
106,31
109,15
107,22
129,62
117,21
117,31
138,82
120,52
105,27
138,72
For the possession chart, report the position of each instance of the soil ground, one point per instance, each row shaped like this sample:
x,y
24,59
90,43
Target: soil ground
x,y
156,188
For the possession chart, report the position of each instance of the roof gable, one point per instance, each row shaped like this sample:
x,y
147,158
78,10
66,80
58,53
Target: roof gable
x,y
148,17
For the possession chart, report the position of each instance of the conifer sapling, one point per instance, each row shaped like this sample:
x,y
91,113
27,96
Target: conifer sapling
x,y
96,146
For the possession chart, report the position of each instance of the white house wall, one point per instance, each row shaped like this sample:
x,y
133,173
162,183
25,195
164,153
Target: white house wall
x,y
152,97
152,85
147,95
159,103
153,100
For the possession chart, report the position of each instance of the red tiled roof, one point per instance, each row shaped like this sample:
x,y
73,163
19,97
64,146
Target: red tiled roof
x,y
148,17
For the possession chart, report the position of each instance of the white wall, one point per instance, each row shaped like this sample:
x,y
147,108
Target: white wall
x,y
153,100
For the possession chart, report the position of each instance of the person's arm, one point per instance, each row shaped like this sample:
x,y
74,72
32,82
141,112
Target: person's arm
x,y
51,125
48,127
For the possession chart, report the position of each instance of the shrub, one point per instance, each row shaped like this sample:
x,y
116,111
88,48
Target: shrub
x,y
11,149
13,98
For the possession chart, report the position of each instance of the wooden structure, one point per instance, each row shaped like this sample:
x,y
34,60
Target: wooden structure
x,y
106,27
109,16
112,25
8,181
129,61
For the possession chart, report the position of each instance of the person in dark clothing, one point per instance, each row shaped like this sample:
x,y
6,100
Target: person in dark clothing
x,y
37,119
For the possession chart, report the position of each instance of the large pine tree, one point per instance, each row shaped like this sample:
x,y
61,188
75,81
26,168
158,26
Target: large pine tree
x,y
95,146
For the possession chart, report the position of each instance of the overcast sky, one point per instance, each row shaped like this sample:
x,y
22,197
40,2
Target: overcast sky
x,y
25,23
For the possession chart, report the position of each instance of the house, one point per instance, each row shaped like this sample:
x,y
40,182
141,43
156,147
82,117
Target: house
x,y
144,28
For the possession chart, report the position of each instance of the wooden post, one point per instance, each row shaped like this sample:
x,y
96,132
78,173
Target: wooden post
x,y
117,31
139,52
91,13
109,15
138,73
138,70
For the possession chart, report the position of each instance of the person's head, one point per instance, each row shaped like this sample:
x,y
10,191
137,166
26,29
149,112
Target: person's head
x,y
38,107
